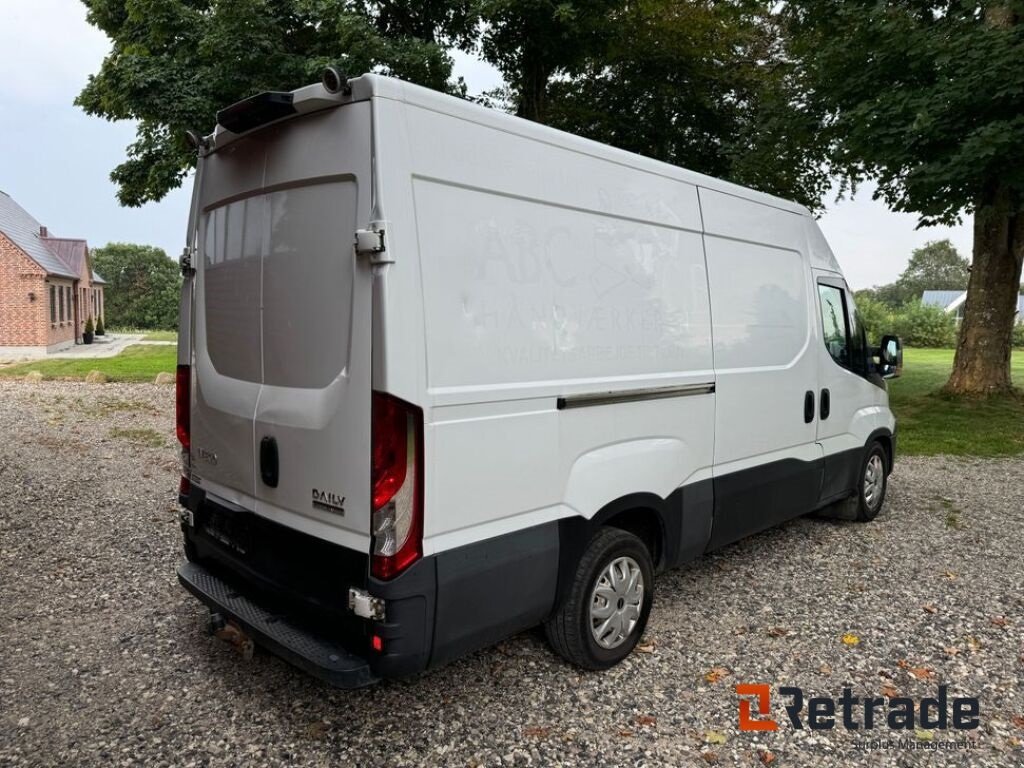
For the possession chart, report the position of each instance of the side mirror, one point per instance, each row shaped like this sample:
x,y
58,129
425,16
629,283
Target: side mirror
x,y
890,357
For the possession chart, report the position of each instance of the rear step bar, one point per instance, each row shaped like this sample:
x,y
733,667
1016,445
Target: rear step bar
x,y
315,655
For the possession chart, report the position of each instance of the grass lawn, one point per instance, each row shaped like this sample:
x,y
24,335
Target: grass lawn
x,y
136,363
930,423
160,336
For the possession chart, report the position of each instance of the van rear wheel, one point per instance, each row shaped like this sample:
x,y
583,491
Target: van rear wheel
x,y
605,612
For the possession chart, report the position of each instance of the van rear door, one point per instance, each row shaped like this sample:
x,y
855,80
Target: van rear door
x,y
281,411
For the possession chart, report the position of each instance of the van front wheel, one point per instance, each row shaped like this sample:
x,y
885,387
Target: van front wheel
x,y
604,615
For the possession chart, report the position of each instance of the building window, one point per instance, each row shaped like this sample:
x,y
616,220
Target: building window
x,y
53,305
62,304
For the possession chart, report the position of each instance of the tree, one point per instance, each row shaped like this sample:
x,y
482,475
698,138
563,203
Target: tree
x,y
701,85
143,286
531,41
935,266
174,63
927,97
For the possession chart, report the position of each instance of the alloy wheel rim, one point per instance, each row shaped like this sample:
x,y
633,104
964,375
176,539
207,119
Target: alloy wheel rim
x,y
616,602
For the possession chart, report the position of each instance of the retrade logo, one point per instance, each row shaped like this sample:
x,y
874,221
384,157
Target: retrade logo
x,y
763,694
853,713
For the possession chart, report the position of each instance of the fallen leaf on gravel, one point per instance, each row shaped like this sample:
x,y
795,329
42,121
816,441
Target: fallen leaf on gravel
x,y
850,639
317,730
716,674
646,720
777,632
949,575
890,691
903,664
999,621
625,733
825,669
923,735
922,673
646,647
714,737
710,757
1018,720
929,608
537,731
974,643
951,650
767,757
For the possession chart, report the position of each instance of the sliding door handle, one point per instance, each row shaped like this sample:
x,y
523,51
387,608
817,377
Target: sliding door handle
x,y
826,404
808,407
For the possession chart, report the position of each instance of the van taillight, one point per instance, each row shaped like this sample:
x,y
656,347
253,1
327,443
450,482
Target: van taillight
x,y
397,485
182,386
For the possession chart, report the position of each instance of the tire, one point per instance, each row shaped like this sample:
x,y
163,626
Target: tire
x,y
571,629
864,505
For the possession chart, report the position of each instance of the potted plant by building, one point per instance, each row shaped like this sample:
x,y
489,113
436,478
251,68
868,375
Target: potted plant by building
x,y
87,333
100,330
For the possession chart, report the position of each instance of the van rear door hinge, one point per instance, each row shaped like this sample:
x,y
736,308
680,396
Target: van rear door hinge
x,y
185,262
370,242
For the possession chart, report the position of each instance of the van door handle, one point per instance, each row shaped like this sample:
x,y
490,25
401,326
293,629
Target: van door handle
x,y
826,404
269,464
808,407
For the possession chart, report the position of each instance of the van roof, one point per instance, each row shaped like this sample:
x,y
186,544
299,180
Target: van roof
x,y
379,86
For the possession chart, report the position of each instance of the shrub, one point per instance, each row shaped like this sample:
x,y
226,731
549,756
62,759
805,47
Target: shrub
x,y
1018,335
89,327
100,330
924,326
876,317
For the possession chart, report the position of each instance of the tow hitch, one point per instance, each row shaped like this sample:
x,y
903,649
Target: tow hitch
x,y
230,633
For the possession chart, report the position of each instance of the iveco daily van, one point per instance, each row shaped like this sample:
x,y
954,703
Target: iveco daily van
x,y
446,374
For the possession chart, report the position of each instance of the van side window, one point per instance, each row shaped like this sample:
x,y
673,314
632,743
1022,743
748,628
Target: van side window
x,y
833,324
858,340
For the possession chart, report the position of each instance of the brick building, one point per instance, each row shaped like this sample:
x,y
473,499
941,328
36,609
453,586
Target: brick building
x,y
47,290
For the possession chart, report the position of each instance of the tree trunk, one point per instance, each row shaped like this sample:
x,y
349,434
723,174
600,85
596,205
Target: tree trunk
x,y
982,362
534,89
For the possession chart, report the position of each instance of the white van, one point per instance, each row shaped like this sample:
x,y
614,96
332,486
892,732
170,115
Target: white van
x,y
446,374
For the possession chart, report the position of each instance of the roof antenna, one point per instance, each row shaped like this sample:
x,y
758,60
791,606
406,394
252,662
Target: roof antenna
x,y
335,82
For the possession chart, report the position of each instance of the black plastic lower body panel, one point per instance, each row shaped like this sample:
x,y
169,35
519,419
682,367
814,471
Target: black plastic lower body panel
x,y
309,651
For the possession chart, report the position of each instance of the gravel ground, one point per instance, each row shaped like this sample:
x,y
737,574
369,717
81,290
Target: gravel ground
x,y
103,659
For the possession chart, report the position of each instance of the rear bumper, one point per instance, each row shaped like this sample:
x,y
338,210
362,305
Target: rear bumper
x,y
310,652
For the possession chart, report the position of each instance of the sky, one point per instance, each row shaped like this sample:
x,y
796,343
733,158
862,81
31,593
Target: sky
x,y
55,160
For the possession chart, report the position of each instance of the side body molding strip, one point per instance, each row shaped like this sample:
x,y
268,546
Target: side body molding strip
x,y
634,395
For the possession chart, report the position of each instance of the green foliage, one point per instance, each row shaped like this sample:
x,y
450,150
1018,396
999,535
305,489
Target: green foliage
x,y
143,285
937,266
931,423
100,330
89,327
1018,336
876,317
136,363
174,63
706,86
925,96
919,325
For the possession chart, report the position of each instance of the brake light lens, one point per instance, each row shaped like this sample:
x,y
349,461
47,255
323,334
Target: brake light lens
x,y
182,392
397,486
